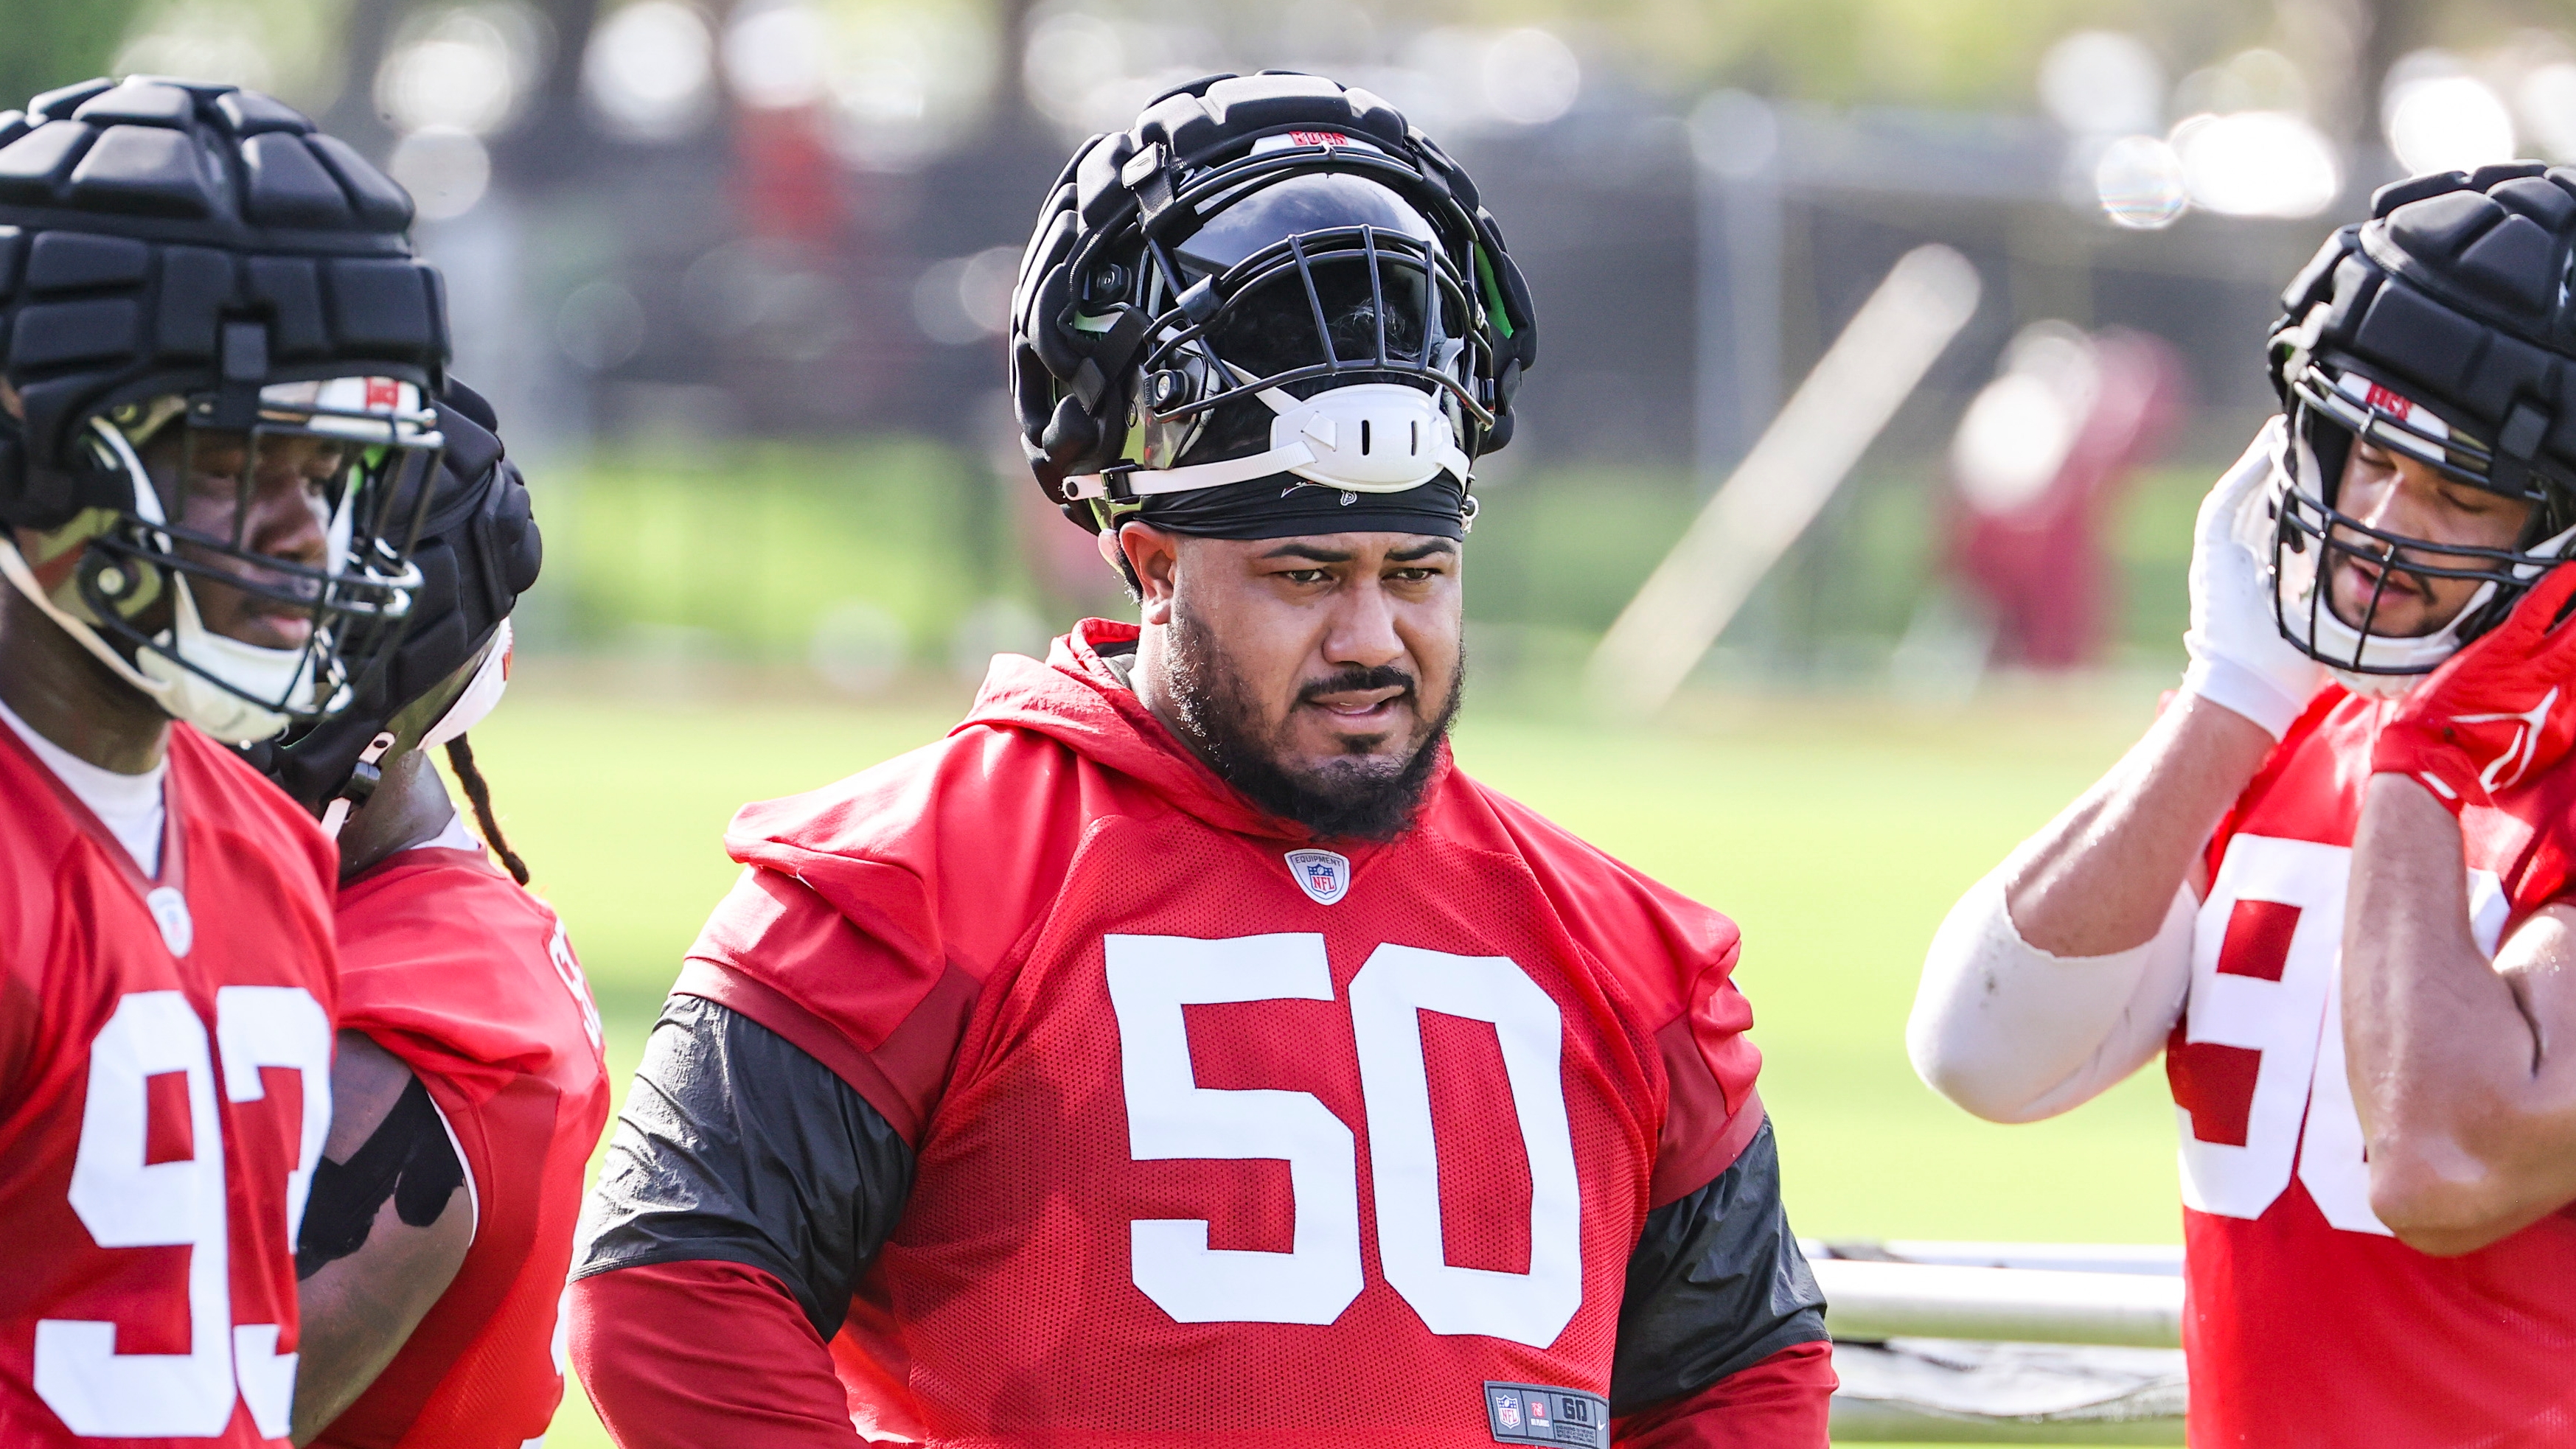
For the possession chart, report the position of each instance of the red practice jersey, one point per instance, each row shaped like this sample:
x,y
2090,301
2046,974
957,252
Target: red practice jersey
x,y
1223,1138
165,1087
2308,1323
449,965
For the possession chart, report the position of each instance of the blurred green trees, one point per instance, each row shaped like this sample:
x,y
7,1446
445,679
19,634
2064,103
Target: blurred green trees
x,y
53,42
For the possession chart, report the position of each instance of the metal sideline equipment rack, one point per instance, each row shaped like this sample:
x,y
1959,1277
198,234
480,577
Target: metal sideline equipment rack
x,y
2004,1343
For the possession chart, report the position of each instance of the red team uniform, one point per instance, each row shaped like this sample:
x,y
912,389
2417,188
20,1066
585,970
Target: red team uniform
x,y
450,966
2308,1323
165,1065
1220,1138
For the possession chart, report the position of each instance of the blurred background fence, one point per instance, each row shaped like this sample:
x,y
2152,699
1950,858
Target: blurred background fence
x,y
735,275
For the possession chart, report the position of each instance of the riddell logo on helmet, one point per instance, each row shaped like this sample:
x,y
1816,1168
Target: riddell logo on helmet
x,y
383,394
2387,401
1318,138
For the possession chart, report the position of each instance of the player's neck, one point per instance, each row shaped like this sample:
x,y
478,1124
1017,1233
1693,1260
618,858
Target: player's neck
x,y
51,682
410,807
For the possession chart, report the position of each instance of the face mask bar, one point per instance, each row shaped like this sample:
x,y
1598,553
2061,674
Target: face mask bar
x,y
2450,452
2311,536
1430,306
1278,308
352,603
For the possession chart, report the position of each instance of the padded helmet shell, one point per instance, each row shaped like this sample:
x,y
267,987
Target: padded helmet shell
x,y
1075,388
2453,298
171,237
2457,293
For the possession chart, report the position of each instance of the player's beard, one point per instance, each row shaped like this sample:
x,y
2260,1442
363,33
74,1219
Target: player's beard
x,y
1359,796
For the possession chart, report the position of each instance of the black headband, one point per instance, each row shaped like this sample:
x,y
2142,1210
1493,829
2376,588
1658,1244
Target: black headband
x,y
1287,506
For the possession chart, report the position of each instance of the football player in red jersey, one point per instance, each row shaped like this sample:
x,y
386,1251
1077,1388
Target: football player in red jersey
x,y
2333,883
1185,1052
209,480
469,1082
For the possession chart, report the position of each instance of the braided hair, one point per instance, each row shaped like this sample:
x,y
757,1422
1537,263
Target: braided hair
x,y
460,758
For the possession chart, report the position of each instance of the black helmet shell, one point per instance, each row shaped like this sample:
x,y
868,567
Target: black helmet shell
x,y
1073,388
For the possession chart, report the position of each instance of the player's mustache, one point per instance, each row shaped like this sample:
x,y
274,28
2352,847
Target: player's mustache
x,y
1357,677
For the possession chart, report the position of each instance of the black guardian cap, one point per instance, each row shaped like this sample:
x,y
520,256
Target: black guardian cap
x,y
2442,329
188,270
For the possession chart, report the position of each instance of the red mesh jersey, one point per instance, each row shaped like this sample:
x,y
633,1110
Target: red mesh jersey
x,y
165,1064
1220,1139
2309,1324
447,964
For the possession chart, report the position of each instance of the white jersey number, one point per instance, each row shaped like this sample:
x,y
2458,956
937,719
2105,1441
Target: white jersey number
x,y
1169,1116
128,1200
2262,1048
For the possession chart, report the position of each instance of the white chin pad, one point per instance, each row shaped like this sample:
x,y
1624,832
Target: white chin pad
x,y
1371,437
283,675
1367,437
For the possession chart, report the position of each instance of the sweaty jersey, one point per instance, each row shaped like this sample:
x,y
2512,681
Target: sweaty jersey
x,y
165,1088
1220,1136
450,966
2309,1324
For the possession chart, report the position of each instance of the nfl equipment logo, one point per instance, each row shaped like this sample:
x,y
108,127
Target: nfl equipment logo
x,y
1322,874
1507,1407
1538,1415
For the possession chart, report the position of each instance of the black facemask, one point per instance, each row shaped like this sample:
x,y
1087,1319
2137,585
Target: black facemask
x,y
1357,797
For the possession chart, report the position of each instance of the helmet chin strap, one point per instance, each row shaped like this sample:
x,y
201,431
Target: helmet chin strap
x,y
181,692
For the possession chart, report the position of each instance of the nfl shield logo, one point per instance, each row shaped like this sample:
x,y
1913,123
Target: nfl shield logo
x,y
1507,1407
1321,874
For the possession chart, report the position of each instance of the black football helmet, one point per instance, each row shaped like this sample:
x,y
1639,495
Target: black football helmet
x,y
204,297
2440,329
478,550
1267,277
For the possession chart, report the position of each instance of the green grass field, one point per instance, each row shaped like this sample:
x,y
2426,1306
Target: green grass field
x,y
1836,832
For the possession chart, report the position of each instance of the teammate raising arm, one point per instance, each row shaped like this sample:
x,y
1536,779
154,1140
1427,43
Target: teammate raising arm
x,y
430,1280
2327,883
1185,1052
209,480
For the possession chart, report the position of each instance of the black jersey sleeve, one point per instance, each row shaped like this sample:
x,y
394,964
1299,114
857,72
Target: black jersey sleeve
x,y
738,1147
1715,1284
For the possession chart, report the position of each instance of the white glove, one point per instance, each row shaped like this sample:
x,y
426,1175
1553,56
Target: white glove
x,y
2238,657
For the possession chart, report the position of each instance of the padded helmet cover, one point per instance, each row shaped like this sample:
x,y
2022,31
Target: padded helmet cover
x,y
1074,388
2456,292
171,237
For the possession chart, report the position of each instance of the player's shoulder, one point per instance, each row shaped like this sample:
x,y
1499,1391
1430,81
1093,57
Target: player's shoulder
x,y
1663,944
980,792
458,891
442,947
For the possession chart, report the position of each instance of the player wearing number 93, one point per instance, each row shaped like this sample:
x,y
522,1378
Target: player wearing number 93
x,y
2336,882
213,454
1185,1052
